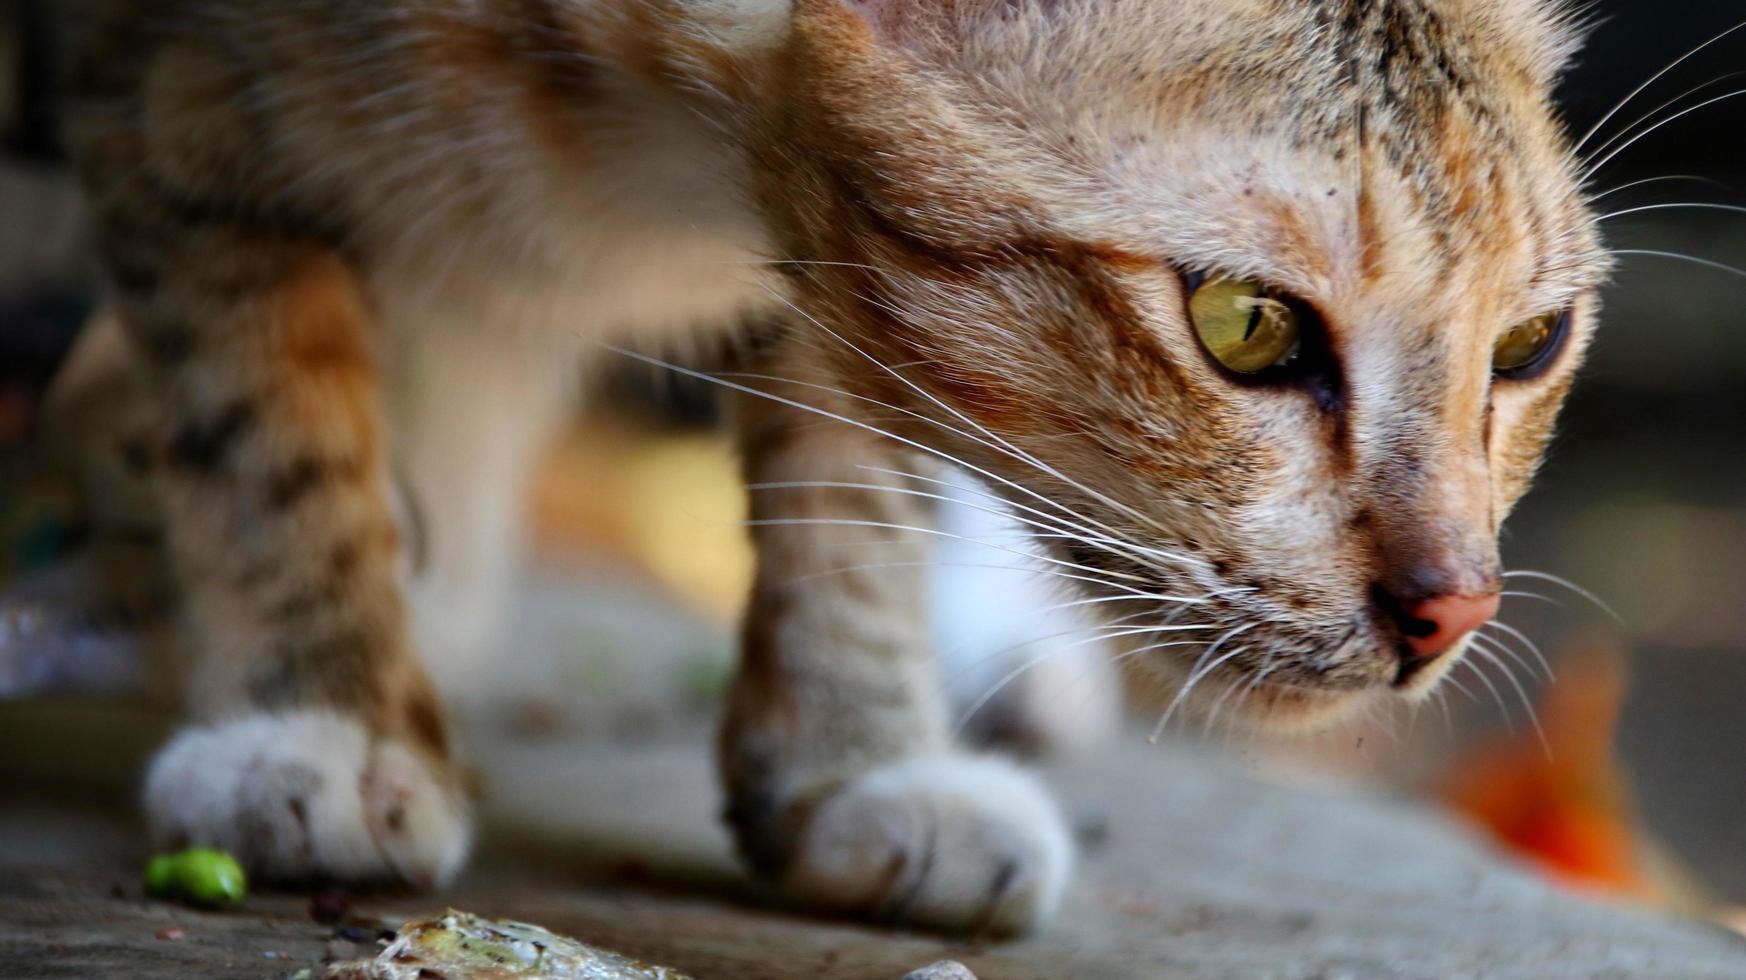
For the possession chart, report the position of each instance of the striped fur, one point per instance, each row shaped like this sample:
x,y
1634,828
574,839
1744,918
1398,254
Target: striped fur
x,y
340,233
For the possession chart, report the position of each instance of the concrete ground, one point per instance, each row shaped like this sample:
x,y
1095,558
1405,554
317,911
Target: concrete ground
x,y
600,805
1195,867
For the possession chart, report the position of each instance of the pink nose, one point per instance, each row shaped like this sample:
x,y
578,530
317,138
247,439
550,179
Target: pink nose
x,y
1431,626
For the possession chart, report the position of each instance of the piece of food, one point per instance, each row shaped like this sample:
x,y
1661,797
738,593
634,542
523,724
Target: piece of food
x,y
943,970
201,875
160,875
460,946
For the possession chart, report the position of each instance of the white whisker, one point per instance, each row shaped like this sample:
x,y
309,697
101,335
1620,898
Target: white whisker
x,y
1450,679
1070,512
1020,670
1051,529
1533,648
1690,205
1267,666
1104,631
1521,594
1496,695
1596,166
903,491
1143,550
1627,129
1656,180
1136,594
933,532
1198,672
1441,698
1486,651
1150,647
1012,450
1708,263
746,389
1651,80
1390,721
1572,586
769,262
879,565
1511,652
1206,725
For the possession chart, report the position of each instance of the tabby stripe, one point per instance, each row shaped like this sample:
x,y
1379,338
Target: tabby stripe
x,y
287,487
203,445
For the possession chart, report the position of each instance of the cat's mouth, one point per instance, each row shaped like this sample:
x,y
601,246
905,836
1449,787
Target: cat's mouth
x,y
1416,677
1279,661
1287,704
1296,686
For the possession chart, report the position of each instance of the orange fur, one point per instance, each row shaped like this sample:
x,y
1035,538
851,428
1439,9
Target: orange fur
x,y
970,223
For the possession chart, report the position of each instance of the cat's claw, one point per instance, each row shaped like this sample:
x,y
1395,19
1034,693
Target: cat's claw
x,y
960,843
308,796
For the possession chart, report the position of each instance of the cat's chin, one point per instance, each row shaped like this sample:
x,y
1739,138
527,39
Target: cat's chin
x,y
1290,709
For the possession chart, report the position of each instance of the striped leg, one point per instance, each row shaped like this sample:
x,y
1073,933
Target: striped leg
x,y
320,749
843,781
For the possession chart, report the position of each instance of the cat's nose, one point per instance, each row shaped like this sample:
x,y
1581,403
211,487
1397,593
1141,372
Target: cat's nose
x,y
1431,626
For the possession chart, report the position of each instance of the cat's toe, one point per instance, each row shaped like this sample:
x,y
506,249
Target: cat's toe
x,y
960,843
308,795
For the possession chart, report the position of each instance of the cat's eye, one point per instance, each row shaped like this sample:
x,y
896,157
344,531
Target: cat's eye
x,y
1244,325
1528,345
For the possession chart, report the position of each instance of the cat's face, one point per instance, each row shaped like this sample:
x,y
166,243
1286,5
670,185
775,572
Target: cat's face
x,y
1043,215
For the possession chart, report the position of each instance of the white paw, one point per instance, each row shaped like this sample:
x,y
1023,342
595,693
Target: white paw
x,y
961,843
308,795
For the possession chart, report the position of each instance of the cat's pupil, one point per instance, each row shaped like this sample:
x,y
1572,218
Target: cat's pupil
x,y
1244,324
1254,321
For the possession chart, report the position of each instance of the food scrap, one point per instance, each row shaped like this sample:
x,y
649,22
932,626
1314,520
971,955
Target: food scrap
x,y
457,944
199,875
943,970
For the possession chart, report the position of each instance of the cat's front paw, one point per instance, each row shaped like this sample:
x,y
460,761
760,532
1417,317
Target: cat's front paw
x,y
961,843
307,796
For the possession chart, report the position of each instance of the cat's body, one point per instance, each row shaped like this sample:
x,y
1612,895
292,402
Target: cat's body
x,y
347,238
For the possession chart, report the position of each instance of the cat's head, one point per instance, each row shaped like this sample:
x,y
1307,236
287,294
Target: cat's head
x,y
1267,304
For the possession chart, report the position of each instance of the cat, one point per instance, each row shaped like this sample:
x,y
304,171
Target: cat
x,y
1258,313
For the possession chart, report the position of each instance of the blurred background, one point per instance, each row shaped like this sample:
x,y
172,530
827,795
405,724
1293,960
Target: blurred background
x,y
1642,502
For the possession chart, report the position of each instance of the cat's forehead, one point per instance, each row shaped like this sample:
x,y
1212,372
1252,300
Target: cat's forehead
x,y
1316,60
1473,225
1403,146
1402,151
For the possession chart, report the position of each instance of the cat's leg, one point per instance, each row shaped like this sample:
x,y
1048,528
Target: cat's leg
x,y
844,784
474,409
319,748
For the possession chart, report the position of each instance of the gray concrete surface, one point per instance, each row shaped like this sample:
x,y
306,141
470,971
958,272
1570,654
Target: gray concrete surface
x,y
1202,870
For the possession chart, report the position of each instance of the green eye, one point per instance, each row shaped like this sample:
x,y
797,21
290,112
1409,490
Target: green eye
x,y
1526,344
1242,324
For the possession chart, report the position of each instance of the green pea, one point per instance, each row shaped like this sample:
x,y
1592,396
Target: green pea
x,y
160,876
201,875
212,877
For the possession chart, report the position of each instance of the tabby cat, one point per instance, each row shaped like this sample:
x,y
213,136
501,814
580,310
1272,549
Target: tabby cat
x,y
1257,312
